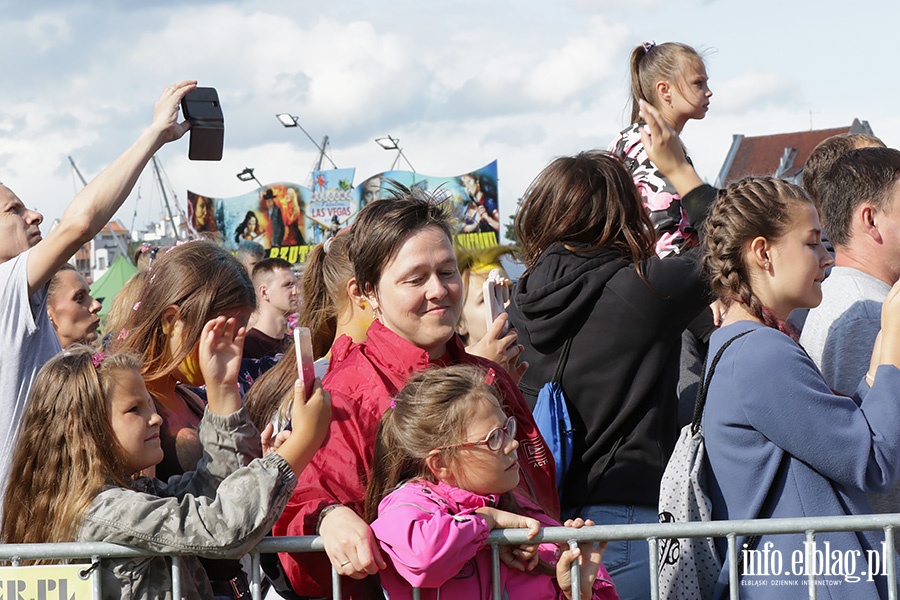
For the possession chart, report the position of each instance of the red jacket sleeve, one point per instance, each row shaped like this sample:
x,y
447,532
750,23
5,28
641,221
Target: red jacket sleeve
x,y
338,474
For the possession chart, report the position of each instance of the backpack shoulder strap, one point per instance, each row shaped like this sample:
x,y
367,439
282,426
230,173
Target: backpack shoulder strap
x,y
705,379
561,361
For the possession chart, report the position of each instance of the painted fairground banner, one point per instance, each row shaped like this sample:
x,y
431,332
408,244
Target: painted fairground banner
x,y
287,218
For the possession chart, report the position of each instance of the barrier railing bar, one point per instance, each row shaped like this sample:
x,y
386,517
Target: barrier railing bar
x,y
255,584
891,565
810,546
96,583
335,584
495,571
575,573
733,574
176,577
652,532
654,568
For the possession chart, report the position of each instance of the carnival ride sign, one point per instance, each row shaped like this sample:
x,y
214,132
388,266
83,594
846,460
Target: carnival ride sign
x,y
287,218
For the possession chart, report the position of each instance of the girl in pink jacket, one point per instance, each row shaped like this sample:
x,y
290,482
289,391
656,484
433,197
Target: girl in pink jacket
x,y
445,470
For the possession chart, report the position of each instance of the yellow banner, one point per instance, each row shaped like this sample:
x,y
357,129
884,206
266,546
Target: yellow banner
x,y
46,582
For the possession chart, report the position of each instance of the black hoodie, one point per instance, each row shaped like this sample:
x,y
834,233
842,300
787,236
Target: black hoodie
x,y
621,376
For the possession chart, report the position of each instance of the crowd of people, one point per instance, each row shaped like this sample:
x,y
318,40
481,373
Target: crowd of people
x,y
185,430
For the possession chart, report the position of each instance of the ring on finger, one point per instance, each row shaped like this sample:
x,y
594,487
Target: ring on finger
x,y
345,563
170,89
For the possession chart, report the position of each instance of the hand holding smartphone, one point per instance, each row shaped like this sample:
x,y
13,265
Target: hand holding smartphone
x,y
496,297
306,369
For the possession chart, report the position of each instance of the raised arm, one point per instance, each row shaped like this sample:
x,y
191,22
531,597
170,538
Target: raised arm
x,y
664,148
96,204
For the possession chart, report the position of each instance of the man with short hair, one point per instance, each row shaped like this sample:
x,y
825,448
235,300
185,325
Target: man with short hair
x,y
860,199
276,298
27,262
860,205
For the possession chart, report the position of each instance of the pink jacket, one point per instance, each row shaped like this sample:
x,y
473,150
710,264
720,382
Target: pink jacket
x,y
434,540
362,380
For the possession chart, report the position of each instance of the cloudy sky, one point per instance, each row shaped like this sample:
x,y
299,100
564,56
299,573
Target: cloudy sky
x,y
460,83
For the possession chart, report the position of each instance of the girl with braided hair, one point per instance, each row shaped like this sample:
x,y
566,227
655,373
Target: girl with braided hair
x,y
779,442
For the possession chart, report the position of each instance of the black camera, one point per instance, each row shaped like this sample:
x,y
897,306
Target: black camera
x,y
202,108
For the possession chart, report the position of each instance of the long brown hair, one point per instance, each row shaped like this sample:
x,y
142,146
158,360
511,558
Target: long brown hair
x,y
752,207
273,393
429,412
324,290
204,280
67,449
586,202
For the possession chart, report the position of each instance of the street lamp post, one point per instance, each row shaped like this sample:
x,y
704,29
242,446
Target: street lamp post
x,y
289,120
247,175
392,143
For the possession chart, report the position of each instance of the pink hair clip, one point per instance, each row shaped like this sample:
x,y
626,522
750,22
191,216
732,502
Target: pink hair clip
x,y
136,306
123,334
393,403
98,358
648,46
490,376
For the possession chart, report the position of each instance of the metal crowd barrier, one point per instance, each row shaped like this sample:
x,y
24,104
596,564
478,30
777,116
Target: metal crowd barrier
x,y
653,533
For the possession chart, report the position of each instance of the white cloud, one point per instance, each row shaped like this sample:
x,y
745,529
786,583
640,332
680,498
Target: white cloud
x,y
582,63
460,84
753,90
47,31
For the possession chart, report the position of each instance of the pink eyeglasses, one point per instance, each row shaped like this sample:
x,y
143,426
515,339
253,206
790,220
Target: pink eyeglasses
x,y
494,440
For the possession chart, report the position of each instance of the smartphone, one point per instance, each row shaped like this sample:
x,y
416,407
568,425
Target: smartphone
x,y
202,108
306,369
496,296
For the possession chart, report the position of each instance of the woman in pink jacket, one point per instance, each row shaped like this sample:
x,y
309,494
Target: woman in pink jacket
x,y
446,467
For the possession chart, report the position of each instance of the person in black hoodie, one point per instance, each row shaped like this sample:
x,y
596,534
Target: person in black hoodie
x,y
592,276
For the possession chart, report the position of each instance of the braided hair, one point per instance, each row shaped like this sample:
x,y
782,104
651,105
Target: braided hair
x,y
752,207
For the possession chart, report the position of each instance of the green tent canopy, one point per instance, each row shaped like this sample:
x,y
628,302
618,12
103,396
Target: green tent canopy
x,y
112,281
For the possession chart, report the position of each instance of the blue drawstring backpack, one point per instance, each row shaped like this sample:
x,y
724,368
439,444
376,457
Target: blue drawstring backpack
x,y
551,413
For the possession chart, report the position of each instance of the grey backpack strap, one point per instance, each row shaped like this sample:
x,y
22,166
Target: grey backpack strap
x,y
705,379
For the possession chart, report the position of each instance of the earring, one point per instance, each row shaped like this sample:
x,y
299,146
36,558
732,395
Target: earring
x,y
766,265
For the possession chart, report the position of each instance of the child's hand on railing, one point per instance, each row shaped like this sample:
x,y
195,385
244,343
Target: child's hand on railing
x,y
523,557
588,555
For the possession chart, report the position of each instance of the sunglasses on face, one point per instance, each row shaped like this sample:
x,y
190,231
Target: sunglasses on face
x,y
494,440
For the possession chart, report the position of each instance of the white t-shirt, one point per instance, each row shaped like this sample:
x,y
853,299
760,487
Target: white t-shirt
x,y
27,340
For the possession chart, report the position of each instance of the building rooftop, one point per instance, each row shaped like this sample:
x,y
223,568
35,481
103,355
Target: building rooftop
x,y
780,155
